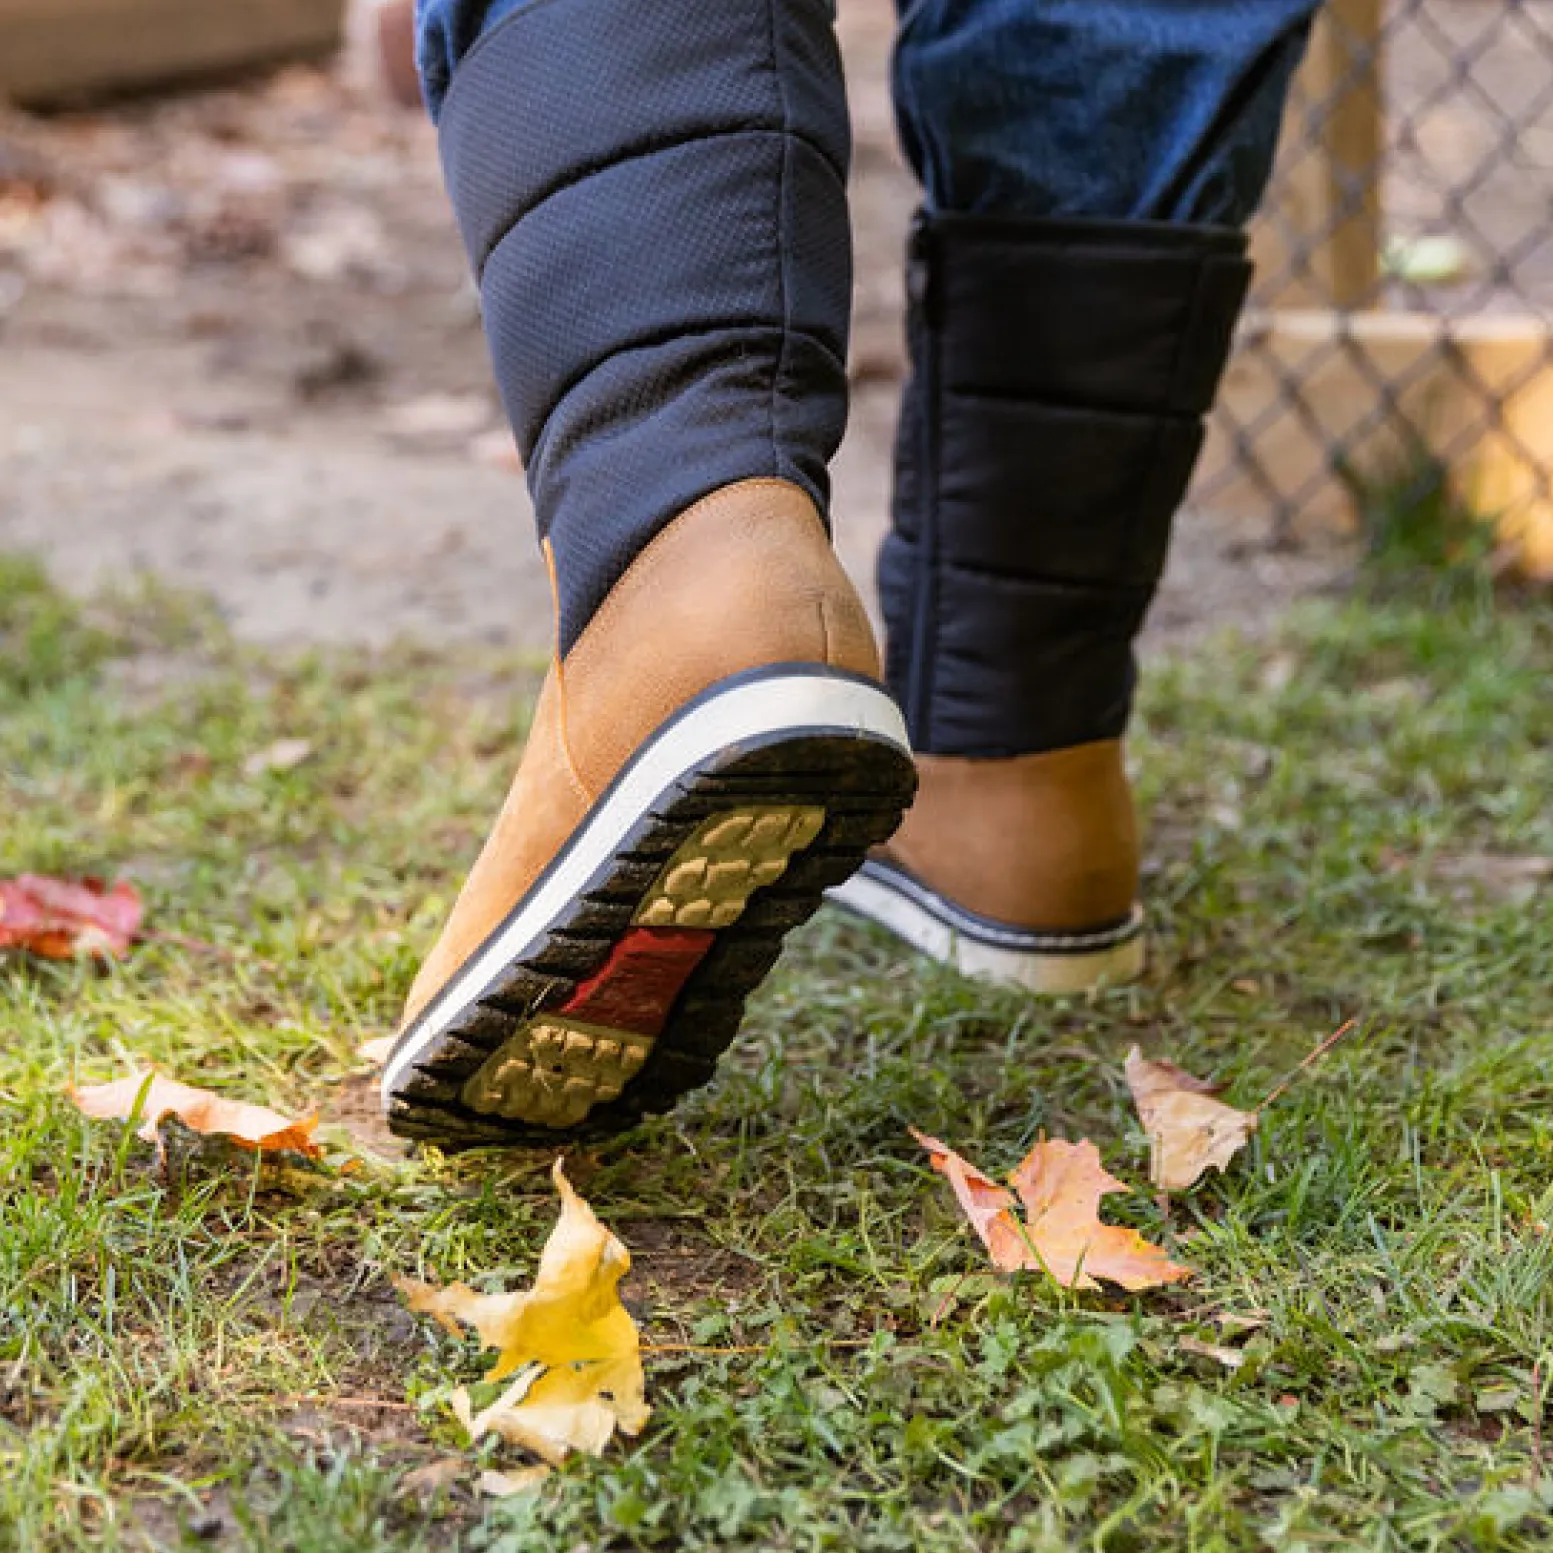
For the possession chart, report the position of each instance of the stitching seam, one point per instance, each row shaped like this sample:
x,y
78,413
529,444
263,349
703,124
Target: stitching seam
x,y
534,452
577,176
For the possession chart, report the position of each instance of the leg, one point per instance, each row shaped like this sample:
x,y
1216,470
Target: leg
x,y
652,196
1075,279
653,200
1111,110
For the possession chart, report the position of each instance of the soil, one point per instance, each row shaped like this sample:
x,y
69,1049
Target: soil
x,y
241,354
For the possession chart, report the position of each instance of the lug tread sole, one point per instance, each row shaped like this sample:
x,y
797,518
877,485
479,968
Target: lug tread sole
x,y
862,784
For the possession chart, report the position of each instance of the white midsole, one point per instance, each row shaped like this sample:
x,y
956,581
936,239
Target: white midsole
x,y
1036,970
802,703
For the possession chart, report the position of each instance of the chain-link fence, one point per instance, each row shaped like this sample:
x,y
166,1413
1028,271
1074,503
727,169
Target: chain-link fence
x,y
1400,337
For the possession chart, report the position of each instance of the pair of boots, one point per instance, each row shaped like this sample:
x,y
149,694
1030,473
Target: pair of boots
x,y
720,746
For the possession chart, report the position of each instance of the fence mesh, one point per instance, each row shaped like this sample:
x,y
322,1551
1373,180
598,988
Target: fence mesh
x,y
1399,334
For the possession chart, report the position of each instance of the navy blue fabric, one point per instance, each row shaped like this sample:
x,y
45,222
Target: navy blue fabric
x,y
653,198
1060,376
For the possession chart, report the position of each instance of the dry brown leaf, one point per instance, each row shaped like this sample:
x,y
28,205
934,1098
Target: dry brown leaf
x,y
248,1126
282,755
576,1344
376,1050
1515,878
1060,1186
439,417
61,918
1230,1358
425,1482
1190,1131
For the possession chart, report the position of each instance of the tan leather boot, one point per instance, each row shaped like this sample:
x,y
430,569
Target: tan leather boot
x,y
713,753
1022,870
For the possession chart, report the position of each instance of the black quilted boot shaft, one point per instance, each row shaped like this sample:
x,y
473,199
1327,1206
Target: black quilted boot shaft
x,y
1061,371
653,196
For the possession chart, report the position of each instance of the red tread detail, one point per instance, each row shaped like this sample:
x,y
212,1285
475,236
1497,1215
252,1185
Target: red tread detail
x,y
636,986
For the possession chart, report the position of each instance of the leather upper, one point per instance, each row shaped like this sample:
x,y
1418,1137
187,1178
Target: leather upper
x,y
1047,842
744,578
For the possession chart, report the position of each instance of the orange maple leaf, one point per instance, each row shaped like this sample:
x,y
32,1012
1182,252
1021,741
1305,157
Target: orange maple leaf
x,y
988,1207
155,1098
1060,1185
61,918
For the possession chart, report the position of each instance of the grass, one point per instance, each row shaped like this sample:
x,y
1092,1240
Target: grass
x,y
1422,535
212,1355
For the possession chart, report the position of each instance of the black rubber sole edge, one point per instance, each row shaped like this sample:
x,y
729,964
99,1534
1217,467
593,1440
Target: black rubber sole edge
x,y
863,783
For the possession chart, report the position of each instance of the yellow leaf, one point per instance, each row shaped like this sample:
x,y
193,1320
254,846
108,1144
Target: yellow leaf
x,y
249,1126
1060,1186
1189,1130
503,1485
576,1343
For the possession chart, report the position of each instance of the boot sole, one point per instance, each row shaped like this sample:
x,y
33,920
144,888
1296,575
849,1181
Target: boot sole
x,y
611,989
976,946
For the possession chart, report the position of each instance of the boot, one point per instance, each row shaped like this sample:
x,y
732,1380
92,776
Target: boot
x,y
1061,373
1023,870
713,752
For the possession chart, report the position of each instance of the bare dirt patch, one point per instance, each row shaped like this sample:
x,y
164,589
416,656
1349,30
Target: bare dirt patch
x,y
241,353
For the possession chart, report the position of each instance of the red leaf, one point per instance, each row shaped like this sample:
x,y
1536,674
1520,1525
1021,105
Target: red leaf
x,y
62,918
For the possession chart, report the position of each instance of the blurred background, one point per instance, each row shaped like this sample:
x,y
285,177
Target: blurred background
x,y
238,349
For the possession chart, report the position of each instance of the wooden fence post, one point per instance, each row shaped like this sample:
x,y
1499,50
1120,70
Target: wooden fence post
x,y
1318,244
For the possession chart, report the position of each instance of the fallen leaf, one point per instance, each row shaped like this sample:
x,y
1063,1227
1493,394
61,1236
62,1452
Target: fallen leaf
x,y
156,1098
988,1207
1496,1399
376,1050
559,1411
1230,1358
340,242
1190,1131
282,755
1518,879
1060,1185
424,1482
1236,1324
192,765
1279,671
61,918
503,1485
576,1344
